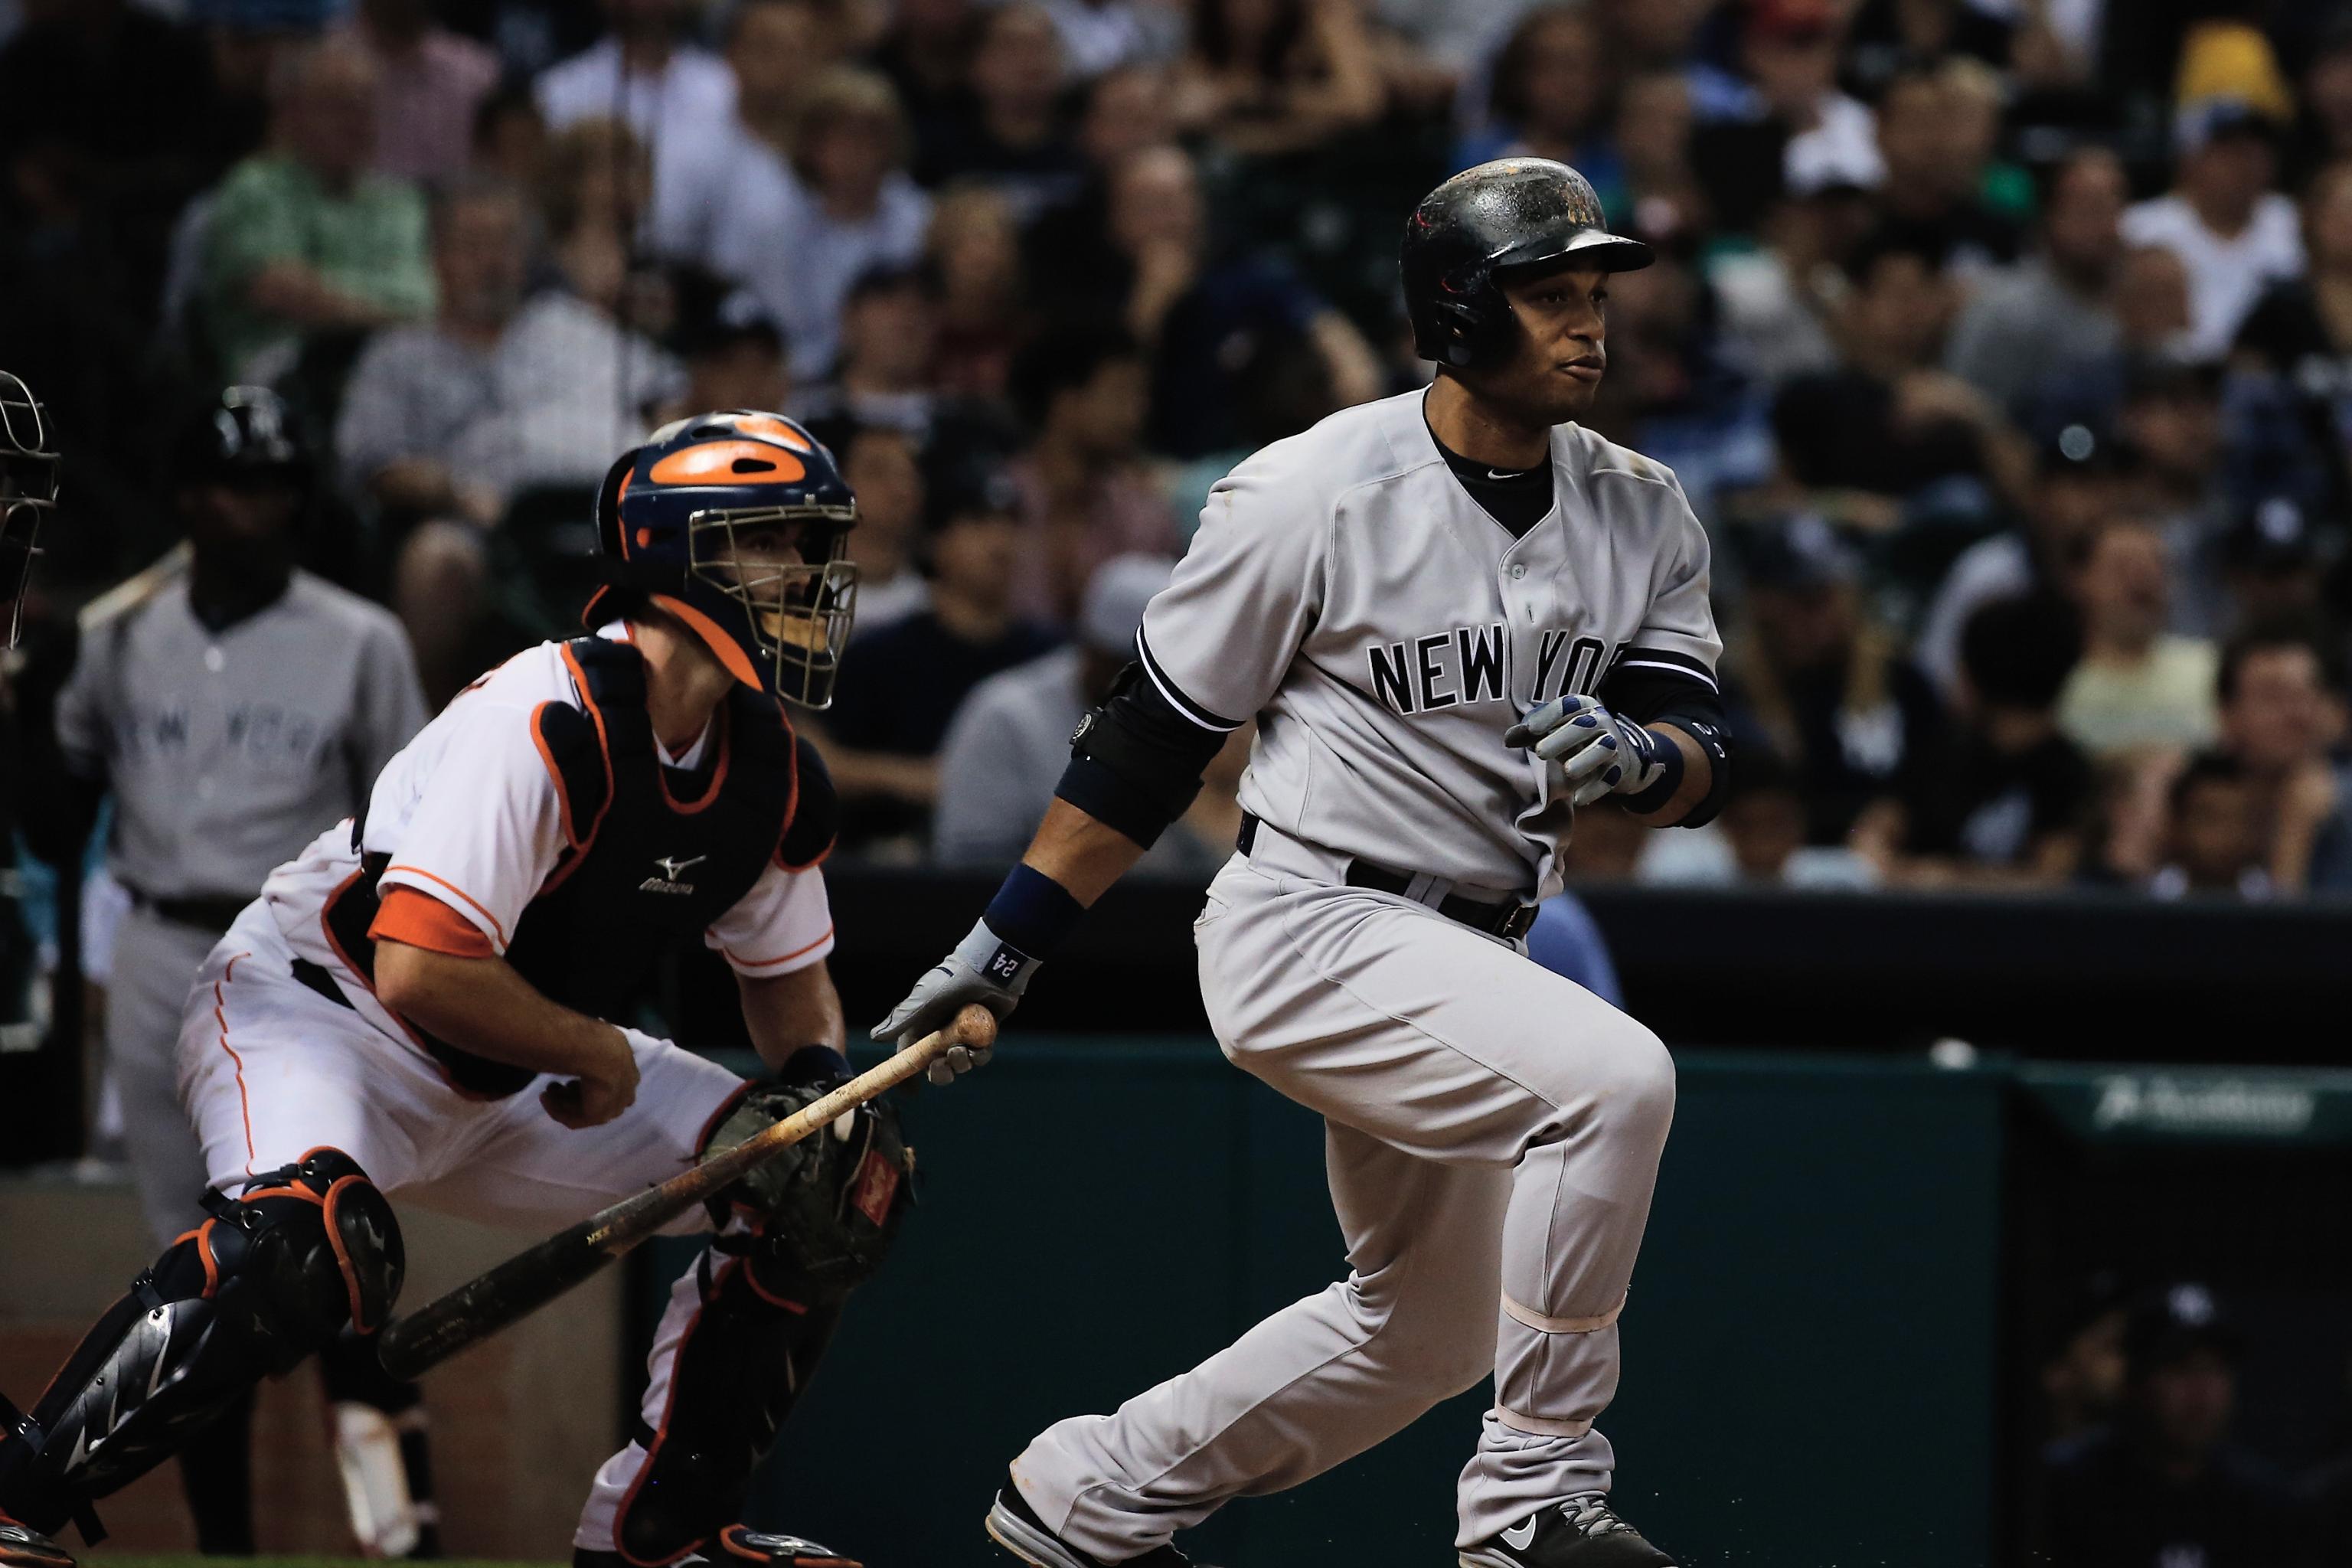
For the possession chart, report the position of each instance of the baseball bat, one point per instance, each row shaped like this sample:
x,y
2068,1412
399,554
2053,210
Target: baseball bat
x,y
530,1279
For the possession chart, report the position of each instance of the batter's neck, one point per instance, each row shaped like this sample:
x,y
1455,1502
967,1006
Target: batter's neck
x,y
1478,430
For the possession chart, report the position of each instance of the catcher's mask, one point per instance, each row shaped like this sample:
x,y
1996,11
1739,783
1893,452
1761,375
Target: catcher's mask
x,y
738,524
29,472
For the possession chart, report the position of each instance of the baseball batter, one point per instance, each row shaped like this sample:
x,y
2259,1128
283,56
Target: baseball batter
x,y
430,1003
1455,617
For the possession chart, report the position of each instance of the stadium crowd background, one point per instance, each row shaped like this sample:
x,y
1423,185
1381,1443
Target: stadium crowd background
x,y
2004,346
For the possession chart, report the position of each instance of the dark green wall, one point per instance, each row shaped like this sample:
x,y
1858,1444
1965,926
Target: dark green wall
x,y
1809,1345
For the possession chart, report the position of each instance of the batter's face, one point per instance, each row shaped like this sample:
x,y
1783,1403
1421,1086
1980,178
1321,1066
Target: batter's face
x,y
1563,320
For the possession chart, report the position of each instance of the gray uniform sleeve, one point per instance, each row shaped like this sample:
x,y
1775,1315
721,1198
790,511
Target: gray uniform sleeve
x,y
1217,641
84,735
390,705
1678,633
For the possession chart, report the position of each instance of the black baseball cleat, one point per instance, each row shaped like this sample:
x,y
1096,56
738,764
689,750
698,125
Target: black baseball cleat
x,y
1582,1532
22,1546
736,1544
1015,1525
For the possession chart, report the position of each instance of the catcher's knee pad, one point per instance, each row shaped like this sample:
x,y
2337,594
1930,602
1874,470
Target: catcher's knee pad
x,y
740,1366
273,1275
821,1216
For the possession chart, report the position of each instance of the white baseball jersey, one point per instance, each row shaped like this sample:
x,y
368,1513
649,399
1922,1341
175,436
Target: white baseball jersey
x,y
471,817
1384,630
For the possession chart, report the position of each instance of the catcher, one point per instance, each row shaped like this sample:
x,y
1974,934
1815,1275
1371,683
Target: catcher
x,y
421,1006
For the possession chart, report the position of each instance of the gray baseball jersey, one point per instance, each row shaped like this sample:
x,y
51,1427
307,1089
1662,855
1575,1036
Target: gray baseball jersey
x,y
1346,589
1494,1129
227,751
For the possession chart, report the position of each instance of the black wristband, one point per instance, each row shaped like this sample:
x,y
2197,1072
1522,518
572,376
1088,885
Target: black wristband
x,y
1671,767
1032,913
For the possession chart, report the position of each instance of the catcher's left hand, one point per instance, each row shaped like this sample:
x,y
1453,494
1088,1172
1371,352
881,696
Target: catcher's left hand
x,y
1600,751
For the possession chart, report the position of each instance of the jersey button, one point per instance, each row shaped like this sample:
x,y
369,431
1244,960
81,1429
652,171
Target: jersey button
x,y
1518,570
214,661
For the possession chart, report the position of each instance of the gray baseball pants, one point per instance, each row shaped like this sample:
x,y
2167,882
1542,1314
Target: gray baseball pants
x,y
155,963
1493,1137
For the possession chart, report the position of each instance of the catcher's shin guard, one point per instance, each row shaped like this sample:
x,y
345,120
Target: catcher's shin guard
x,y
273,1275
738,1369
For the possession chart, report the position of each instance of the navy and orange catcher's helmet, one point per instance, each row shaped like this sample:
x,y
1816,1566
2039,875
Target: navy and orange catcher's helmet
x,y
737,523
29,469
1514,217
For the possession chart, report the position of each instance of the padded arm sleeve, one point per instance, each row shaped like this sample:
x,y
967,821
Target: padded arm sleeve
x,y
1136,762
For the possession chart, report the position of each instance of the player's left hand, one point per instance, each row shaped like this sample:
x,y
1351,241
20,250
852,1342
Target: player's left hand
x,y
1601,752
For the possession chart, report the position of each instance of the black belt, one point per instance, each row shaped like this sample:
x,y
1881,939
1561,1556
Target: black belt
x,y
1509,921
215,914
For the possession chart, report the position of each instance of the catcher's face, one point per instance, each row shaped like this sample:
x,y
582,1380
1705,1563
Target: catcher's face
x,y
1561,354
778,567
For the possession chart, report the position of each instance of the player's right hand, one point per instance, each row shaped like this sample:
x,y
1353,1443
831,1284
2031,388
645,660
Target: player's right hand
x,y
608,1086
983,968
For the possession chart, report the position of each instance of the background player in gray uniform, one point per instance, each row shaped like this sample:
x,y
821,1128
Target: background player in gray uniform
x,y
235,707
1456,617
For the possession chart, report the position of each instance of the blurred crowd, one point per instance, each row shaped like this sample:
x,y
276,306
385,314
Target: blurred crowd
x,y
2003,346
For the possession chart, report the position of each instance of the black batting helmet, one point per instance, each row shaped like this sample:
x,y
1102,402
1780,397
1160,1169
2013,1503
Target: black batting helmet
x,y
247,436
1508,218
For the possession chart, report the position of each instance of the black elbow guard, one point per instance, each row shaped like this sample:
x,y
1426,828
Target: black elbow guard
x,y
1716,742
1124,781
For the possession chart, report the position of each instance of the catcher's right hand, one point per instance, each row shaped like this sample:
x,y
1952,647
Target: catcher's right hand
x,y
983,968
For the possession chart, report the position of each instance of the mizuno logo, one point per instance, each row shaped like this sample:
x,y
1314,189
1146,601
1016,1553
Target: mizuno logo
x,y
671,870
1518,1536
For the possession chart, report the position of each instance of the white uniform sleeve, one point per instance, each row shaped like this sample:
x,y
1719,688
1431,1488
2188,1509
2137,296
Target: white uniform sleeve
x,y
1219,638
785,923
488,828
1678,633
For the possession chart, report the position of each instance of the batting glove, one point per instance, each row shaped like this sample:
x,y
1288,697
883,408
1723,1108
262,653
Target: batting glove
x,y
1600,753
983,968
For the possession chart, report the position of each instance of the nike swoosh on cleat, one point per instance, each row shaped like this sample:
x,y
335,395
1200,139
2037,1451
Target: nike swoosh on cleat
x,y
1520,1536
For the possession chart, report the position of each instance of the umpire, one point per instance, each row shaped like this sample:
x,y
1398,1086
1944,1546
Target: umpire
x,y
235,706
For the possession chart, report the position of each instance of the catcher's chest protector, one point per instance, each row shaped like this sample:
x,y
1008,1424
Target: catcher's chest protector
x,y
643,869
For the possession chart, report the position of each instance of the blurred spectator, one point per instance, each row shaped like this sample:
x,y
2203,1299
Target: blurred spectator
x,y
927,54
734,351
1890,37
2283,717
1010,133
2165,1484
1790,51
1652,132
104,110
1606,845
416,389
2171,415
2325,134
1268,77
881,736
1567,941
2082,1384
430,81
2009,808
510,136
1825,685
799,242
2053,309
882,375
1098,36
1011,740
1200,315
2273,564
1070,249
643,74
776,50
2213,839
1758,840
2138,687
2293,354
2080,476
2231,231
884,471
1931,194
1777,301
302,239
973,258
1886,423
1549,98
1085,493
